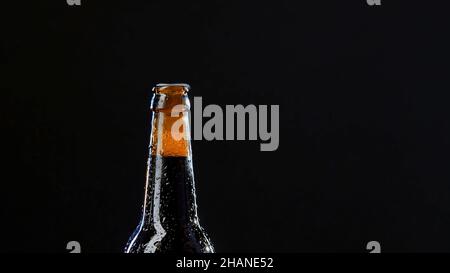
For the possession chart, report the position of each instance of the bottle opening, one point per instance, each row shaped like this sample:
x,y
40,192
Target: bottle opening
x,y
171,88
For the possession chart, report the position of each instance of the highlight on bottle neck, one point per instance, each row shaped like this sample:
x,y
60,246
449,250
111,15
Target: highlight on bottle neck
x,y
170,128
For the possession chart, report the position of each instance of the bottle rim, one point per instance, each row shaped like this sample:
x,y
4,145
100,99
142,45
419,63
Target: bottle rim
x,y
186,86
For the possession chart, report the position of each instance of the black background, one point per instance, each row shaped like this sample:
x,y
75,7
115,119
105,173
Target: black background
x,y
364,131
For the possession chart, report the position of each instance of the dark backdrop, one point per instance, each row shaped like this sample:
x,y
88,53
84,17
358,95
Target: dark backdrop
x,y
364,131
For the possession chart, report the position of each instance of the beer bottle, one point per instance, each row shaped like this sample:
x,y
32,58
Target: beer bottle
x,y
169,221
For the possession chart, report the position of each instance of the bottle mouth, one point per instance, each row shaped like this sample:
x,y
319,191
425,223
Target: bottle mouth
x,y
172,88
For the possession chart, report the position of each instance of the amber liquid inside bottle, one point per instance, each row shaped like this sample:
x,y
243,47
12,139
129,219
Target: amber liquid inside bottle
x,y
169,221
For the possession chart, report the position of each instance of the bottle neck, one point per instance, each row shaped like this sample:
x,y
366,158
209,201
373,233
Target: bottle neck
x,y
170,190
170,135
